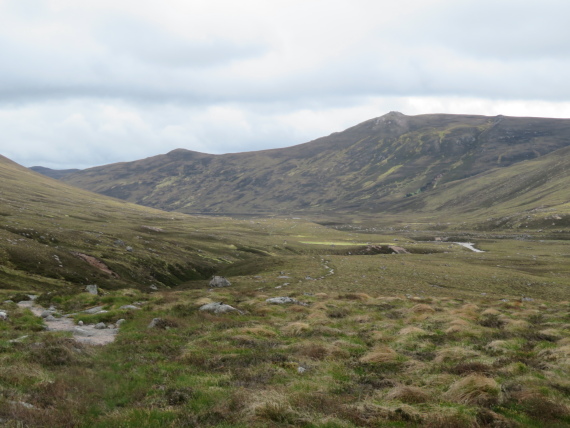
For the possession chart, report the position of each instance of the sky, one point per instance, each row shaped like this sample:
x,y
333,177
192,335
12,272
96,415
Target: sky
x,y
86,83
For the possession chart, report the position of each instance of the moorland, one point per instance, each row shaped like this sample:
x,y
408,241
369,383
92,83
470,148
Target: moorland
x,y
388,322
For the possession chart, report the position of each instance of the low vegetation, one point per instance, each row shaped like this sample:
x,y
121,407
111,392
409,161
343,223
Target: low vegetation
x,y
436,336
337,360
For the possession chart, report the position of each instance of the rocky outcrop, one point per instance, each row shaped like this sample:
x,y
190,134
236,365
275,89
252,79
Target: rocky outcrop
x,y
219,281
218,308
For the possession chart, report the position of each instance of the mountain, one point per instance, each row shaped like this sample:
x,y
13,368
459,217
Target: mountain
x,y
56,236
53,173
388,164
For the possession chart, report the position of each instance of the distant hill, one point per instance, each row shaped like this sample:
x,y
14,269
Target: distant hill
x,y
390,164
53,173
54,236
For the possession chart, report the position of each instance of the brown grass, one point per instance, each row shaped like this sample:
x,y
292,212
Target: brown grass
x,y
474,390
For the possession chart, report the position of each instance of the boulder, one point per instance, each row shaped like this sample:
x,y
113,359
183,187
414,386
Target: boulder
x,y
218,308
219,281
281,300
398,250
92,289
161,323
94,310
129,307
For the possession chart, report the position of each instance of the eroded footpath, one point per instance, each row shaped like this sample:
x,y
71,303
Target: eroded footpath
x,y
92,334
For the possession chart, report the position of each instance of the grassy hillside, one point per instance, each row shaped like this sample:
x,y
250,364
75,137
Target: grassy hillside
x,y
373,167
47,229
436,336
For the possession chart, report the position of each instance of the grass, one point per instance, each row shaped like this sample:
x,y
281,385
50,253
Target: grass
x,y
283,367
438,337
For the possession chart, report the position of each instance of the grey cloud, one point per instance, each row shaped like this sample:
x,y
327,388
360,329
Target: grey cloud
x,y
146,42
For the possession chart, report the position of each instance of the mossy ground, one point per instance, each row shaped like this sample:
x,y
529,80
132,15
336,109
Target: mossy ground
x,y
385,340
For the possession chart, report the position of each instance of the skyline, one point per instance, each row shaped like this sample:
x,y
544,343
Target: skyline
x,y
102,82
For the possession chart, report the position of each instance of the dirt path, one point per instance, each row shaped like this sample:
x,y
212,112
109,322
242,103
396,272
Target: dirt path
x,y
87,334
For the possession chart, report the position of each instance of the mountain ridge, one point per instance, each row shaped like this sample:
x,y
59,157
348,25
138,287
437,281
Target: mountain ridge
x,y
371,167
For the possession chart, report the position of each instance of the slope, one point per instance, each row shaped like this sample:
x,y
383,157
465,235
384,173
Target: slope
x,y
55,235
368,168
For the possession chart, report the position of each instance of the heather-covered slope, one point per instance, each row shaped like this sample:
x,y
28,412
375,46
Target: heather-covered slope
x,y
372,167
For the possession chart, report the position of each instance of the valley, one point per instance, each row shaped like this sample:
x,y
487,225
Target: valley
x,y
386,318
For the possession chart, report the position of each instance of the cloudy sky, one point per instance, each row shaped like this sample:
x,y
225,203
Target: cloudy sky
x,y
86,83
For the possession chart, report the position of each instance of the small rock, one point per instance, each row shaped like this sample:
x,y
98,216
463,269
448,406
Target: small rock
x,y
82,332
111,326
94,310
92,289
46,314
129,307
119,322
23,404
8,301
153,287
217,308
119,242
281,300
100,326
80,323
219,281
129,249
301,369
19,339
3,316
50,317
156,323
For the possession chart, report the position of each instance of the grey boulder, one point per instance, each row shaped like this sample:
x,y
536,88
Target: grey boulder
x,y
218,308
219,281
92,289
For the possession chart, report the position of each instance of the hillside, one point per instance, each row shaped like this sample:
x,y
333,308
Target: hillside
x,y
55,236
380,165
325,328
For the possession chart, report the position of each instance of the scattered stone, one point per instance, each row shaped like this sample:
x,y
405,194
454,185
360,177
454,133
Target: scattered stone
x,y
119,322
301,369
50,317
3,316
281,300
100,326
398,250
129,307
111,326
82,332
129,249
161,323
92,289
46,313
22,403
8,301
18,340
219,281
80,323
153,287
119,242
218,308
94,310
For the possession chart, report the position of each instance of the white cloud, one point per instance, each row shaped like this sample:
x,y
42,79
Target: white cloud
x,y
94,82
